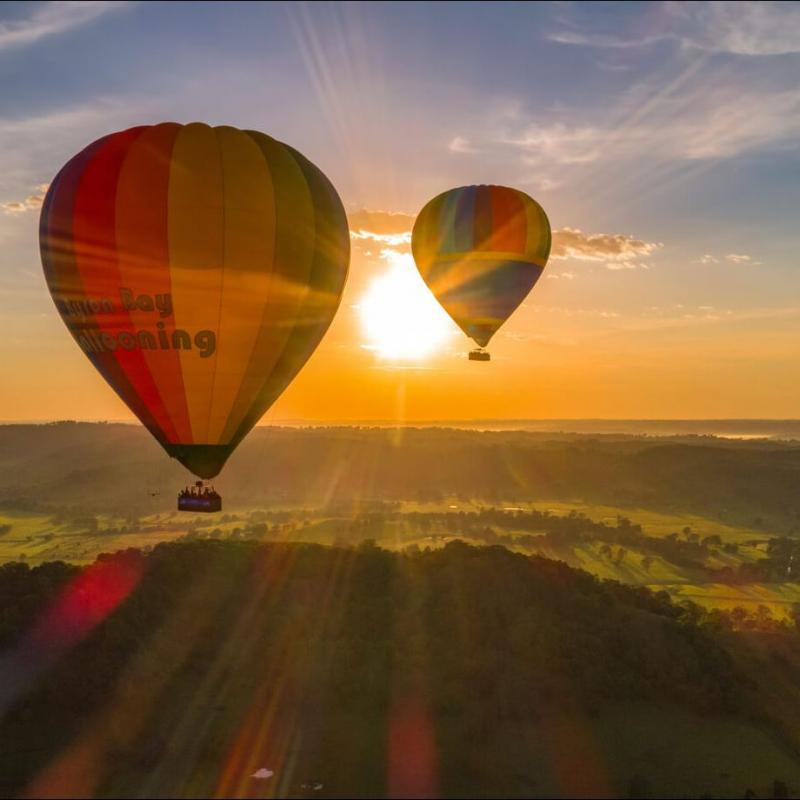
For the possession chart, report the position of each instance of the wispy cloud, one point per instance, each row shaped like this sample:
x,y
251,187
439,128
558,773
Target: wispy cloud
x,y
602,39
734,258
559,143
33,147
391,239
380,222
30,203
616,251
385,228
741,258
459,144
52,18
743,28
737,28
556,276
711,122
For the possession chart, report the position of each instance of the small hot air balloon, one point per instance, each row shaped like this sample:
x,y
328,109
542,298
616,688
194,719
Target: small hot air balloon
x,y
480,250
198,268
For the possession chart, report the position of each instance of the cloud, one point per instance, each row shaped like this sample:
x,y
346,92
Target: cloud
x,y
544,184
574,311
30,203
52,18
734,258
34,147
742,28
559,143
736,28
615,250
380,222
392,239
591,39
626,264
741,258
716,120
567,276
458,144
383,227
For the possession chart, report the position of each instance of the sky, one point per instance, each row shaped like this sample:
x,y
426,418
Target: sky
x,y
662,139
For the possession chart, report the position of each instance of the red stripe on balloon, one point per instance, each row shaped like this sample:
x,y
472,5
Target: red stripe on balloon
x,y
509,222
94,219
482,226
64,279
143,256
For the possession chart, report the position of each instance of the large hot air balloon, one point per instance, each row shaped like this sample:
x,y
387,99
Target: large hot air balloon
x,y
480,250
198,268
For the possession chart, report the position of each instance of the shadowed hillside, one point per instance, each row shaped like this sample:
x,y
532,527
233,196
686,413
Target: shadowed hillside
x,y
117,467
459,672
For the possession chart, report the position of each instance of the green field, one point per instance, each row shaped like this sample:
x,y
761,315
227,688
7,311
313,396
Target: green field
x,y
655,523
686,755
35,538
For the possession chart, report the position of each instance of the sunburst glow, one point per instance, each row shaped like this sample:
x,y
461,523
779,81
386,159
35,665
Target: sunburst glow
x,y
400,318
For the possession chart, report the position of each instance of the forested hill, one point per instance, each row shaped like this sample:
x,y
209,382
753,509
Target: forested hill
x,y
460,672
114,467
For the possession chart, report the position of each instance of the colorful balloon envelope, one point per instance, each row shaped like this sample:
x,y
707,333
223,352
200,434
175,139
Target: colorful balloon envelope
x,y
480,250
198,269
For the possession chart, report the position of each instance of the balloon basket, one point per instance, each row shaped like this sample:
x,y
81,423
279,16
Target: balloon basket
x,y
201,497
479,355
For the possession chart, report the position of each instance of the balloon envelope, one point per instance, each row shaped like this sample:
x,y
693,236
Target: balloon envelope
x,y
480,250
198,268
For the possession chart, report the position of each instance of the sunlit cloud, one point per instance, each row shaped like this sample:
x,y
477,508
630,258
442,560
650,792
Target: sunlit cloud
x,y
733,258
576,311
625,264
741,258
391,239
615,250
384,228
30,203
459,144
380,222
567,276
49,19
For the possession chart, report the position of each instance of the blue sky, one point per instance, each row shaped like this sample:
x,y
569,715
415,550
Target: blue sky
x,y
671,129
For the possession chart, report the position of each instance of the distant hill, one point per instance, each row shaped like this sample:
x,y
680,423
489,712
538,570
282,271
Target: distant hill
x,y
461,672
114,467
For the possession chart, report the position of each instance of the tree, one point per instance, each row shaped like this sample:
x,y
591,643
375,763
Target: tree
x,y
780,790
638,787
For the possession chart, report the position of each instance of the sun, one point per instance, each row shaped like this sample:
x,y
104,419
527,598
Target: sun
x,y
400,319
